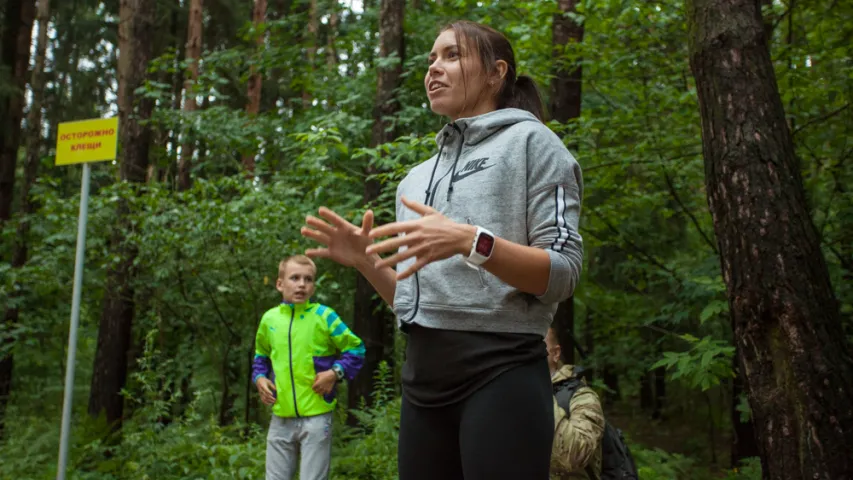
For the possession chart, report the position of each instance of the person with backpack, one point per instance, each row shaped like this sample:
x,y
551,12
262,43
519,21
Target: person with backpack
x,y
585,445
578,430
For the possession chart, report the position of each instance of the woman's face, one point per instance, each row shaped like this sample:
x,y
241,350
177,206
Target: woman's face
x,y
446,87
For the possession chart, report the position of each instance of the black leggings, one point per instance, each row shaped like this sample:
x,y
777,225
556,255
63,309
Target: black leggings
x,y
503,431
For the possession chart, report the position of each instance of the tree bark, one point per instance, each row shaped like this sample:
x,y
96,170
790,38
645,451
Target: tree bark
x,y
17,33
660,388
589,341
311,51
646,394
331,50
798,373
565,105
195,28
743,435
372,321
15,53
566,85
255,81
114,335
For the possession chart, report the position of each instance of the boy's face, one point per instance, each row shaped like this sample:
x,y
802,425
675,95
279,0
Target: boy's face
x,y
297,283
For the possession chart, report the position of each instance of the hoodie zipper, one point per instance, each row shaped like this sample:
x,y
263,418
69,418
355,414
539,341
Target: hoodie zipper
x,y
290,354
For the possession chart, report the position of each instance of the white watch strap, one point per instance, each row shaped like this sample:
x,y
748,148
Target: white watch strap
x,y
475,259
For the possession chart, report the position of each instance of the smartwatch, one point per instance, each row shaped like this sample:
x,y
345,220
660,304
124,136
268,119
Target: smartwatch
x,y
339,371
481,248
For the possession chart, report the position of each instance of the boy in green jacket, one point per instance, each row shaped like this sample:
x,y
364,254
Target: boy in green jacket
x,y
302,350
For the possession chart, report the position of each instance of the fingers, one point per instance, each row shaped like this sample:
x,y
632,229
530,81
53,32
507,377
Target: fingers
x,y
417,207
367,222
390,245
334,218
419,264
318,253
393,260
319,225
394,228
315,235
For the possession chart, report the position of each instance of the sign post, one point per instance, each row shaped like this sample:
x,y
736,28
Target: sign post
x,y
80,142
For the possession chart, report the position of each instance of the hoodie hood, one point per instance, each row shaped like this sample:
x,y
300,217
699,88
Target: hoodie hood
x,y
474,130
468,132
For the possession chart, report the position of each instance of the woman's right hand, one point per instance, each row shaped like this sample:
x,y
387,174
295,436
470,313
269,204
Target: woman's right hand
x,y
344,242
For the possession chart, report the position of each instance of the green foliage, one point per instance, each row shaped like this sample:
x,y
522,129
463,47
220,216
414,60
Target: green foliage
x,y
370,450
750,469
651,295
656,464
706,364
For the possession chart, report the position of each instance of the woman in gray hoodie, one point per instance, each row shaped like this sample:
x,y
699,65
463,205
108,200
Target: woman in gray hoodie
x,y
485,246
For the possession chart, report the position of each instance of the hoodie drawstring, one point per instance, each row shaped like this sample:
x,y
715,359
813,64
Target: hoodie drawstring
x,y
434,167
455,160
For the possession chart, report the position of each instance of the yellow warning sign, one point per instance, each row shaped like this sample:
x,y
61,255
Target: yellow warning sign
x,y
87,141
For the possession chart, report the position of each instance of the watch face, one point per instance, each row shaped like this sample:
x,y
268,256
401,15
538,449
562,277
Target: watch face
x,y
485,242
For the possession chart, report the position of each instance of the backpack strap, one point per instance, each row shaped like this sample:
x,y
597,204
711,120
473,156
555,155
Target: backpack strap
x,y
565,390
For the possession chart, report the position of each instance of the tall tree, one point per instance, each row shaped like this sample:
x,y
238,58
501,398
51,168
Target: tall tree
x,y
743,432
111,359
259,14
331,50
195,28
311,51
371,320
565,106
798,372
15,56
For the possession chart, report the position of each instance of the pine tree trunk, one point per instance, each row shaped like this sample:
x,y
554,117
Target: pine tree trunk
x,y
311,49
798,372
255,81
611,379
566,85
565,105
15,56
371,319
660,388
114,335
195,27
589,341
743,436
17,35
331,50
646,394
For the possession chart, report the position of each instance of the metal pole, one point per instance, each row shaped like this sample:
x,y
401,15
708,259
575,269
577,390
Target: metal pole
x,y
75,321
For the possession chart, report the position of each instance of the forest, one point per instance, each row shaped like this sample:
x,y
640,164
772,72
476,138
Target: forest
x,y
715,310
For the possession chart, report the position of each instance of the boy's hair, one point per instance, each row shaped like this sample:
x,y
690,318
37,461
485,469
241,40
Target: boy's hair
x,y
300,259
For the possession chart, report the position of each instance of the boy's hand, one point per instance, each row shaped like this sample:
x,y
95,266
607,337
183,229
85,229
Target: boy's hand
x,y
324,382
266,389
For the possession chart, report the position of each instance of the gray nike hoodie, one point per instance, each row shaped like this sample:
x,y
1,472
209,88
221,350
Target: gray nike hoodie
x,y
508,173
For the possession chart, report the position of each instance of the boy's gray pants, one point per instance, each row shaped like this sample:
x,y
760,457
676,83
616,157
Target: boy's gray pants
x,y
288,437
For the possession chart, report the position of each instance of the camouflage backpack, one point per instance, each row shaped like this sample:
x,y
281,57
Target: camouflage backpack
x,y
616,460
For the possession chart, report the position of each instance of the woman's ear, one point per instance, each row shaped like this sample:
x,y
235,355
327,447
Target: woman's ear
x,y
501,68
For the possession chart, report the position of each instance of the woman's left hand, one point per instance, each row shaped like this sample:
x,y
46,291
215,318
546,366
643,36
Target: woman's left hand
x,y
430,238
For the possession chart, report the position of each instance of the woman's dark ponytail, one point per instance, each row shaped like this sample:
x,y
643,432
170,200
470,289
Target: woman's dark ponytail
x,y
524,94
516,91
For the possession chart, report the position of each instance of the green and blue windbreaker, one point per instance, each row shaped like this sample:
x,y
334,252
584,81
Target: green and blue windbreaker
x,y
294,343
